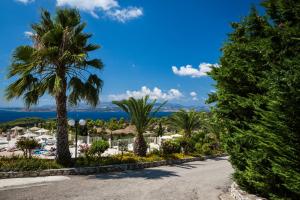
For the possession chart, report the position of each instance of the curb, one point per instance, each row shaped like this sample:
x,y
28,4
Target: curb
x,y
97,169
237,194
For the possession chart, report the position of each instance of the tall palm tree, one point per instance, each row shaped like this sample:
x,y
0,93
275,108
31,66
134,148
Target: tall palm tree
x,y
188,121
57,63
140,112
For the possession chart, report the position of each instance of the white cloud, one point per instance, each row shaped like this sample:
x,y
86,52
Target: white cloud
x,y
125,14
89,5
156,93
188,70
25,1
194,96
28,33
110,8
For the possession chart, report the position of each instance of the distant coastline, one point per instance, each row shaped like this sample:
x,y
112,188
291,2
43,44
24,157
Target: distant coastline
x,y
9,115
105,111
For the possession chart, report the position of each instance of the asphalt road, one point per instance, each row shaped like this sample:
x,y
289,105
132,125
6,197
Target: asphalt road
x,y
203,180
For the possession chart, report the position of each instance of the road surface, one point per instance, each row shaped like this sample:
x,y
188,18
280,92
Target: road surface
x,y
203,180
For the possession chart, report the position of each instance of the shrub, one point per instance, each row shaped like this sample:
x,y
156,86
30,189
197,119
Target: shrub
x,y
198,148
98,147
84,149
27,145
18,163
206,149
187,144
170,146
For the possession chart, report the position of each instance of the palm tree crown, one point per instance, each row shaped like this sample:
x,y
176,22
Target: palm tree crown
x,y
188,121
57,59
140,112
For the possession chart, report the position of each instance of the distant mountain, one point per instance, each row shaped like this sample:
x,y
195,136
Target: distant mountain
x,y
104,107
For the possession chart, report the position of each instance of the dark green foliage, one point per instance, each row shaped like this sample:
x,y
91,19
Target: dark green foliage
x,y
198,148
170,146
98,147
160,130
26,164
30,121
258,99
27,145
206,149
187,144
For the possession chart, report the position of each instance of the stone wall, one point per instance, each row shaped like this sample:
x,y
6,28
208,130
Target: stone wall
x,y
238,194
94,170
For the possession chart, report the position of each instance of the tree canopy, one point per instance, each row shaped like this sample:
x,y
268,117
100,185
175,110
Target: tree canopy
x,y
258,98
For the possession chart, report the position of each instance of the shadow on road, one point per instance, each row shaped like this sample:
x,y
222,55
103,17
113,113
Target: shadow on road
x,y
145,173
219,158
187,165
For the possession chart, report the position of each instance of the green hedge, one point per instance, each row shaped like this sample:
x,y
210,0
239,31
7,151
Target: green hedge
x,y
26,164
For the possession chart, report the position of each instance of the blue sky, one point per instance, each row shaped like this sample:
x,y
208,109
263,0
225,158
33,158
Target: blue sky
x,y
144,43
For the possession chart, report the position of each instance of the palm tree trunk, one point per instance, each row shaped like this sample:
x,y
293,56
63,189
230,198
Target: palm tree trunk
x,y
140,145
63,155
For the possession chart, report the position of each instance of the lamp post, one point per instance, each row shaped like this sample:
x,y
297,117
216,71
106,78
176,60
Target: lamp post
x,y
75,124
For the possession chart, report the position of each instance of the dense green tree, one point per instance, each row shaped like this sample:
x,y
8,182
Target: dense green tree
x,y
279,129
140,112
258,98
27,145
56,63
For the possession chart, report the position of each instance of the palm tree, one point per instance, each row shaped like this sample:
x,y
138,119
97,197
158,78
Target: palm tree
x,y
188,121
56,63
140,113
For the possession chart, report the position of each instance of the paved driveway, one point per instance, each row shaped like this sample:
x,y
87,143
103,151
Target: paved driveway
x,y
195,180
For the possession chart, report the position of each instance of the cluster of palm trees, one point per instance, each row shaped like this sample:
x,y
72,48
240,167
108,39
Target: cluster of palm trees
x,y
58,63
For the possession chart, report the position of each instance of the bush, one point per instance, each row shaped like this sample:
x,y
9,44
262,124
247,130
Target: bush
x,y
126,158
18,163
170,146
187,144
27,145
206,150
98,147
198,148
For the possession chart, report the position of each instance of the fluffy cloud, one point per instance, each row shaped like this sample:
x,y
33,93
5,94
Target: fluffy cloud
x,y
156,93
110,8
188,70
28,33
89,5
125,14
194,96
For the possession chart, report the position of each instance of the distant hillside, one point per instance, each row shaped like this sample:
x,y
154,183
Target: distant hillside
x,y
104,107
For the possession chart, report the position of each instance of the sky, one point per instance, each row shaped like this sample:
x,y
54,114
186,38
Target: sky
x,y
160,48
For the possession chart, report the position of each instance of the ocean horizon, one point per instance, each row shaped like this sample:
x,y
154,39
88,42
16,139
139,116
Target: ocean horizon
x,y
6,116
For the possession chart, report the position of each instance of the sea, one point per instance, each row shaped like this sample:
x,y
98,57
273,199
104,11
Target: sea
x,y
8,115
